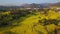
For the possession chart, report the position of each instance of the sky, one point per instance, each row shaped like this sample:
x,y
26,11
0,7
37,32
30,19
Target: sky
x,y
19,2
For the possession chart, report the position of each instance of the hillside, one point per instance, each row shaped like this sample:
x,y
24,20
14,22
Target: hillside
x,y
30,22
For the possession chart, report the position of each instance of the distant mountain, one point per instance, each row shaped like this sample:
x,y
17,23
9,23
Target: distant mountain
x,y
33,5
51,4
56,4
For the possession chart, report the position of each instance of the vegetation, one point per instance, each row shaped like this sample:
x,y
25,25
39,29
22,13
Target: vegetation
x,y
40,21
10,32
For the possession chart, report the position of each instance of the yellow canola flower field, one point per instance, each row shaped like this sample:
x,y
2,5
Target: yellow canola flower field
x,y
31,25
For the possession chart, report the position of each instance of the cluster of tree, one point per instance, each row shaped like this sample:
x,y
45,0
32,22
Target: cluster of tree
x,y
49,21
